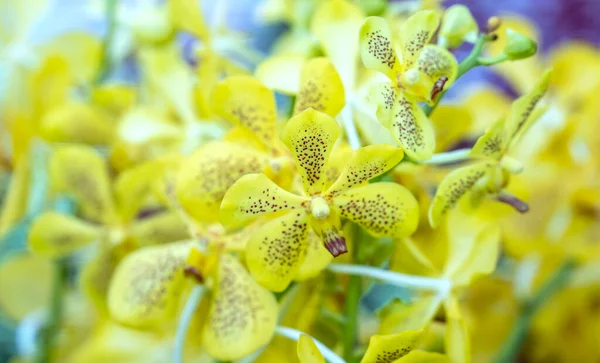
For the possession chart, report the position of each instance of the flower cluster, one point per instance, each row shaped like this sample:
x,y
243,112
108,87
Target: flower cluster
x,y
170,194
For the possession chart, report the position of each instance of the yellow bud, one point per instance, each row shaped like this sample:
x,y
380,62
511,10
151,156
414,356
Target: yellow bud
x,y
493,24
518,46
458,26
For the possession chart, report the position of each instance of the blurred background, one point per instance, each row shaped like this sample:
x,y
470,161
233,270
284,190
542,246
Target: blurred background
x,y
26,26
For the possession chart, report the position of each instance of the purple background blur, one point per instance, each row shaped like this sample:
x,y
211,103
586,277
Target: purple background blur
x,y
558,20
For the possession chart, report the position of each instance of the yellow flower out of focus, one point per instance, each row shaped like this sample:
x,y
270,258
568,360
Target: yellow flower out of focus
x,y
415,75
317,181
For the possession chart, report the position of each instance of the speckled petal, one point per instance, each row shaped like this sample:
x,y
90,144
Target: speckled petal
x,y
158,229
454,186
383,209
56,235
307,350
366,163
81,172
79,123
522,113
320,88
208,173
276,251
253,196
317,258
411,128
145,288
492,144
376,48
415,33
338,158
437,62
237,241
246,102
135,187
383,95
310,136
242,315
388,348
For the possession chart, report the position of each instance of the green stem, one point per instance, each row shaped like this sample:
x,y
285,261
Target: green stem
x,y
111,12
516,338
51,329
467,64
353,294
492,60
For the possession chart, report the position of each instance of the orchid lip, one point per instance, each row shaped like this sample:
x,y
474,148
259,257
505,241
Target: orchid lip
x,y
336,246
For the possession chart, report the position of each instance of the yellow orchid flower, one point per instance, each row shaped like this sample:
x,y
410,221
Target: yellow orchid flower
x,y
489,173
252,146
414,77
82,173
275,253
113,342
472,246
147,286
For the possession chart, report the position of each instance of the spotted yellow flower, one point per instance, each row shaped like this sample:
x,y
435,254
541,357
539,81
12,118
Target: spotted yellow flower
x,y
109,224
420,73
470,246
491,170
277,250
147,286
252,146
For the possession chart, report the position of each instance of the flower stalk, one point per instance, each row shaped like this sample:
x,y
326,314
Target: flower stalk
x,y
449,157
188,312
395,278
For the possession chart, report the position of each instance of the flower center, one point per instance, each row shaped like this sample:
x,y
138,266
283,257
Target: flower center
x,y
411,77
276,165
319,208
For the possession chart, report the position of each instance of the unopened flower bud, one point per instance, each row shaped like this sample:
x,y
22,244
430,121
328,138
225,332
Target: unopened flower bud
x,y
518,46
458,26
493,24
